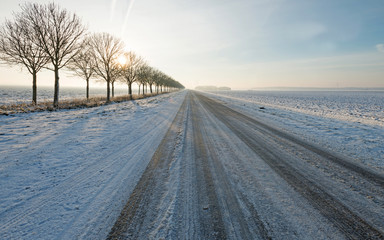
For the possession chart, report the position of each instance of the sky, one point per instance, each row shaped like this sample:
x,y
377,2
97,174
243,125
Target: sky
x,y
242,44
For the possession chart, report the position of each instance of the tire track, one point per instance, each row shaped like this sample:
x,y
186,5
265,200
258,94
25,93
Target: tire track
x,y
212,212
227,197
145,196
213,227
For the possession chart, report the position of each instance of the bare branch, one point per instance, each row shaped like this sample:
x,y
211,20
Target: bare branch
x,y
106,49
18,47
57,32
130,70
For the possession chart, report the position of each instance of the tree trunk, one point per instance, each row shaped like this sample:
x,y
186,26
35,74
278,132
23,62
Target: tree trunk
x,y
56,94
130,90
143,88
87,89
108,92
34,88
139,89
150,88
113,89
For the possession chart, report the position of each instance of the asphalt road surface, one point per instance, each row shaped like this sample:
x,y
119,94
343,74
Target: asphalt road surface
x,y
220,174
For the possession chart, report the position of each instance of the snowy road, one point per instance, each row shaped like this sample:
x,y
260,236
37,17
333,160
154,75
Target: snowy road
x,y
189,165
219,174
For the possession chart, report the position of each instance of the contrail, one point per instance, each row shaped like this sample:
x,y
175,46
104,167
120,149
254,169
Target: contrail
x,y
126,17
112,10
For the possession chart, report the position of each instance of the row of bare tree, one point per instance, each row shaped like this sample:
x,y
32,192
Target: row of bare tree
x,y
48,36
103,55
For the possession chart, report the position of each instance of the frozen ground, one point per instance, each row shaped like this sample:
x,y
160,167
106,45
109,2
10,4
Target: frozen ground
x,y
67,174
351,123
190,165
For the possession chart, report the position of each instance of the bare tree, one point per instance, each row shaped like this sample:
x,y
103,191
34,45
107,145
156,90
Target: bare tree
x,y
17,48
143,75
115,76
58,34
113,80
153,78
159,80
82,64
129,71
106,49
163,82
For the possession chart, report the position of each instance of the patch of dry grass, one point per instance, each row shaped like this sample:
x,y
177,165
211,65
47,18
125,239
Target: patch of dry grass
x,y
66,104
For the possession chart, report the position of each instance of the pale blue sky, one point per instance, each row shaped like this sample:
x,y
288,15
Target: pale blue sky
x,y
241,44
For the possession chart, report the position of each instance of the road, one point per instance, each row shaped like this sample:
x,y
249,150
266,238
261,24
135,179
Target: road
x,y
221,174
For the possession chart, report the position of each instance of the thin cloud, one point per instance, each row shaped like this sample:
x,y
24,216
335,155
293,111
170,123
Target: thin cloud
x,y
125,23
380,47
306,31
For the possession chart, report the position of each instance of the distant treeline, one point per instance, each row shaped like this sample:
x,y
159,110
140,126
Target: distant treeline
x,y
212,88
48,36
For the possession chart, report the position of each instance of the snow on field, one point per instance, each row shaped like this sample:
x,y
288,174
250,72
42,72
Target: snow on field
x,y
350,123
354,106
67,174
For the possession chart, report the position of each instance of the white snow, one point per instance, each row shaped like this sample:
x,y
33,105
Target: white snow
x,y
67,174
365,107
350,123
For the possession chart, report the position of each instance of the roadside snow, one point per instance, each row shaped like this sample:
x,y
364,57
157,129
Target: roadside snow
x,y
361,139
67,174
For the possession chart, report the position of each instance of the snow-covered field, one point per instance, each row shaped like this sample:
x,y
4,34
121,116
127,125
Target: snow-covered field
x,y
353,106
67,174
348,122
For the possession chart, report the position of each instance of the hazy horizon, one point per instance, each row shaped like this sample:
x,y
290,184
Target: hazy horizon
x,y
277,88
240,44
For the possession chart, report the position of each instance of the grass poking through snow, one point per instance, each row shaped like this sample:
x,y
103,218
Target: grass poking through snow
x,y
66,104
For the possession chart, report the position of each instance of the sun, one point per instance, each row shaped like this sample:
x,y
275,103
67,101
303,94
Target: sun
x,y
122,60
